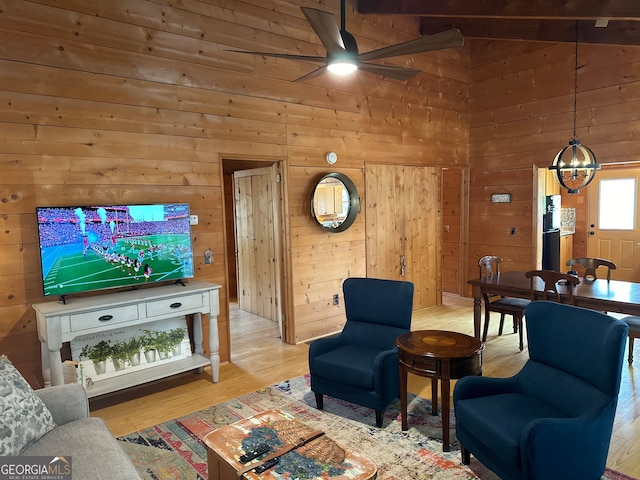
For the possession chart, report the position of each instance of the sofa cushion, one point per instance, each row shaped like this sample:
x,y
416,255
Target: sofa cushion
x,y
24,417
95,453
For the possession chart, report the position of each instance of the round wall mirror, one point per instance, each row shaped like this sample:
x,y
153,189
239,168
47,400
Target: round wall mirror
x,y
335,202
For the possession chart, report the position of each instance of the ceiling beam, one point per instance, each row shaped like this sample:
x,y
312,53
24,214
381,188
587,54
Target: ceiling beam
x,y
616,33
512,9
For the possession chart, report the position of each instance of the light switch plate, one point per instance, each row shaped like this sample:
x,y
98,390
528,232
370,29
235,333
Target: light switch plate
x,y
501,198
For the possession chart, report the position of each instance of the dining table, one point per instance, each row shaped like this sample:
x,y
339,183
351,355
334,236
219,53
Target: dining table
x,y
600,294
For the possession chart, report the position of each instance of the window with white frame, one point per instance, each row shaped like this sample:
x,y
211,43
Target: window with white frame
x,y
617,204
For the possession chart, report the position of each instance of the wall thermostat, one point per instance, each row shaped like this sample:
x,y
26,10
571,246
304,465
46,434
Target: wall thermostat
x,y
332,158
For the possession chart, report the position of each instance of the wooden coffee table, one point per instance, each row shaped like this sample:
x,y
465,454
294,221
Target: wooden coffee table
x,y
224,448
439,355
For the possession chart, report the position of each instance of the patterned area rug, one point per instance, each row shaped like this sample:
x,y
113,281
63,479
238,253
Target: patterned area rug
x,y
174,450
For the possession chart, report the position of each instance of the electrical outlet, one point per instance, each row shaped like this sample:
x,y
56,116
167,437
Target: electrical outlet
x,y
208,257
193,219
336,299
513,231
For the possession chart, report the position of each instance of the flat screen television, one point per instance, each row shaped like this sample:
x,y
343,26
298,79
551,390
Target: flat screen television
x,y
85,248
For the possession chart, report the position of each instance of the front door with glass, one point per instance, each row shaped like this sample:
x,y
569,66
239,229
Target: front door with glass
x,y
614,221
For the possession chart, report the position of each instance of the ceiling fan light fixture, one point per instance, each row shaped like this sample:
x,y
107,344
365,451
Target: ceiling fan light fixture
x,y
343,57
342,67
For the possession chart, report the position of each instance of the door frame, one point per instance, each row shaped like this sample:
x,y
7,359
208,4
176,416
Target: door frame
x,y
230,164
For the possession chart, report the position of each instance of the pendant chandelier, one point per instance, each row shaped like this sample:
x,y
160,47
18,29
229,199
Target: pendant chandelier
x,y
575,165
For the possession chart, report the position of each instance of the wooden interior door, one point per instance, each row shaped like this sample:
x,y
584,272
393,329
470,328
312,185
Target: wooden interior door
x,y
404,228
256,201
385,224
620,245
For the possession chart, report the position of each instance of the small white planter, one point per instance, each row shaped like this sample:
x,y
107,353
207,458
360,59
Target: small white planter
x,y
135,359
119,364
100,367
150,356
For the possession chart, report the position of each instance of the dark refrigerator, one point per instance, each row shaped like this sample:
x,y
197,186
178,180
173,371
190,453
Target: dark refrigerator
x,y
551,234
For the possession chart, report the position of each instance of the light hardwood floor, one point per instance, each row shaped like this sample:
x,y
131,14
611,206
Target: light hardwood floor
x,y
260,359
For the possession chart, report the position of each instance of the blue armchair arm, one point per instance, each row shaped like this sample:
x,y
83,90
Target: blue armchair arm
x,y
582,437
386,379
323,345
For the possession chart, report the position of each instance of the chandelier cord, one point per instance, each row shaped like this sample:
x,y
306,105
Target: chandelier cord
x,y
575,87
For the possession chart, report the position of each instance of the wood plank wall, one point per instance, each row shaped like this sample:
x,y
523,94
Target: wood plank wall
x,y
521,106
138,101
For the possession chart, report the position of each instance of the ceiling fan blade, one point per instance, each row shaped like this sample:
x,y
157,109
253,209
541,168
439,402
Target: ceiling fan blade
x,y
399,73
313,74
449,39
326,28
288,56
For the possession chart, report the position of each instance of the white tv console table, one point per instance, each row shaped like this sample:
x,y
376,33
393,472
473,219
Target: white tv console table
x,y
58,323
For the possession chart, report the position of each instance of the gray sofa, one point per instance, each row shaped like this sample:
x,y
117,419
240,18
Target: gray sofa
x,y
94,452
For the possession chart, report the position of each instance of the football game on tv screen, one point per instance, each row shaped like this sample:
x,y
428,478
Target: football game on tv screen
x,y
97,247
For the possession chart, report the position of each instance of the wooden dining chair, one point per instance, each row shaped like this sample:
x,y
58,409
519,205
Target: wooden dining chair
x,y
634,332
489,266
551,281
590,265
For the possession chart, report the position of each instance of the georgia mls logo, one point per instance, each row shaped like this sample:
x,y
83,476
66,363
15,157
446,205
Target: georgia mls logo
x,y
35,468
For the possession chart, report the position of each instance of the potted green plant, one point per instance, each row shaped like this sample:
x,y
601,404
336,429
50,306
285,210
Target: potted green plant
x,y
167,341
148,345
132,346
98,354
119,355
175,337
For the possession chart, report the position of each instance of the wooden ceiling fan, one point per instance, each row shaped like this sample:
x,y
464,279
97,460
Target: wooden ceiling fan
x,y
342,50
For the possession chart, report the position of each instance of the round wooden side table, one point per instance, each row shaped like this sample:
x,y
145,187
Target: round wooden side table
x,y
439,355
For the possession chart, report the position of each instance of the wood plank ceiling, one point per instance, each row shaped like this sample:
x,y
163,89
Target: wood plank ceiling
x,y
614,22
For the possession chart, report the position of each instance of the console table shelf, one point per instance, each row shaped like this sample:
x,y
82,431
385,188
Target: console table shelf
x,y
149,374
59,322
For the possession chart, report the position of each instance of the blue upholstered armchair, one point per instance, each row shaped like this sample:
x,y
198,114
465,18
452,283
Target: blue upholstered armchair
x,y
360,365
554,418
